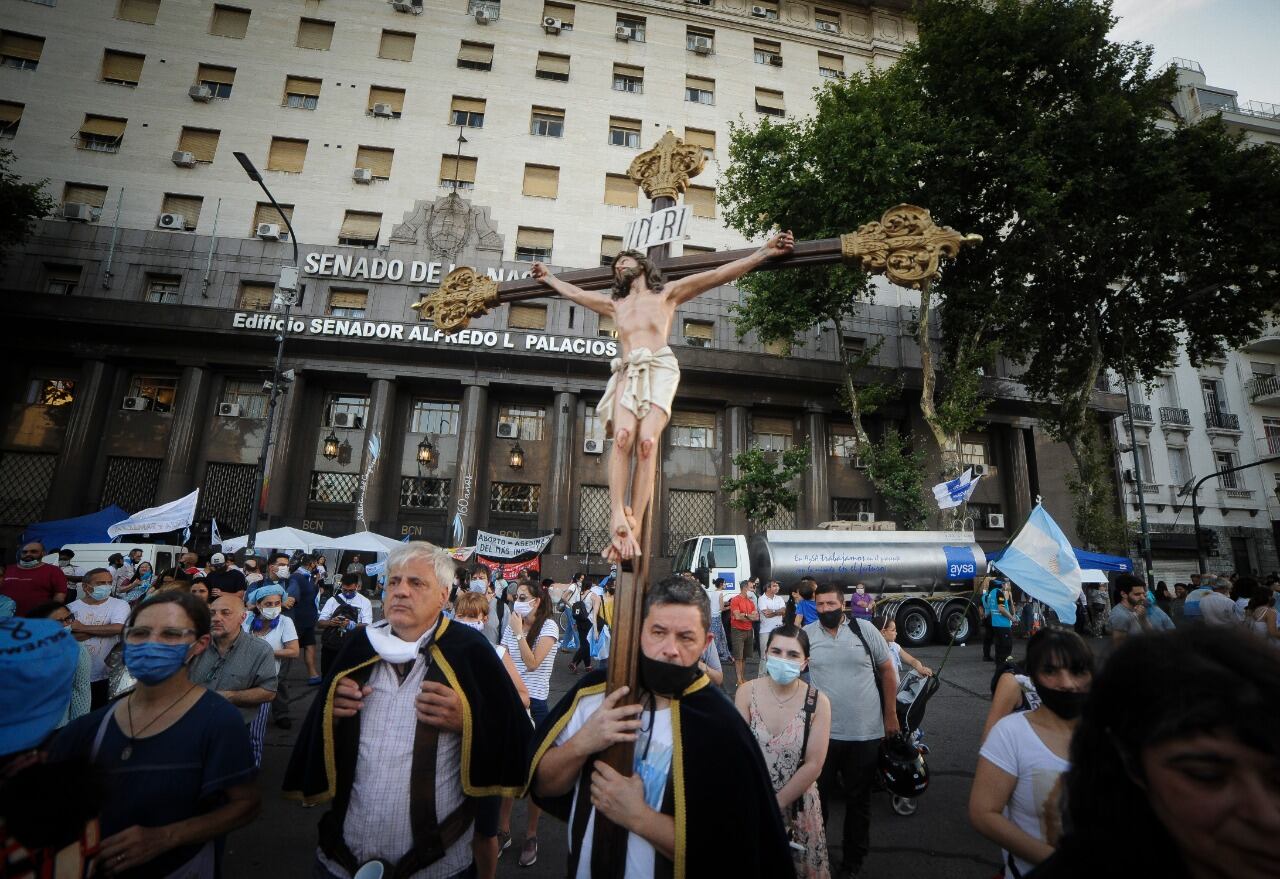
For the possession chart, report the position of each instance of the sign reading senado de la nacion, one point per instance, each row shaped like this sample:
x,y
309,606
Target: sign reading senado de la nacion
x,y
398,332
350,267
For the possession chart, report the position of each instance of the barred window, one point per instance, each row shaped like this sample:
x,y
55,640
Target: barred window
x,y
249,396
131,483
227,496
333,488
514,498
846,509
160,390
693,430
528,420
434,417
51,392
346,410
25,478
419,493
593,518
689,513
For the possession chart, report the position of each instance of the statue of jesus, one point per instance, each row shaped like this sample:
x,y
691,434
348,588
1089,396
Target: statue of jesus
x,y
637,401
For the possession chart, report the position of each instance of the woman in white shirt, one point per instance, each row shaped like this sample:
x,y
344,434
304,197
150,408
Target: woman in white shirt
x,y
1016,798
266,621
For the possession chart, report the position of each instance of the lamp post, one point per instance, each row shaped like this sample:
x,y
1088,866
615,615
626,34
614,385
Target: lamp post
x,y
1137,478
1195,510
288,285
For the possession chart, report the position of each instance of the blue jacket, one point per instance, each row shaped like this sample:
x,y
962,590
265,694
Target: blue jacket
x,y
303,589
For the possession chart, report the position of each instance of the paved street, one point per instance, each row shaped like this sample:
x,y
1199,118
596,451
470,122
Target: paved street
x,y
936,842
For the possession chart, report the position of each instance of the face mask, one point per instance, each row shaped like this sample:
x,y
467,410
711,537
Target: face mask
x,y
153,663
666,678
101,592
282,572
146,578
270,613
391,647
831,619
348,592
28,563
523,608
473,624
784,671
1064,703
860,590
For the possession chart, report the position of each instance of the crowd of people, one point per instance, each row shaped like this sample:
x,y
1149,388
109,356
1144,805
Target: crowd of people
x,y
142,700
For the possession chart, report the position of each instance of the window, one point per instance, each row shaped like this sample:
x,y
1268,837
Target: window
x,y
457,172
1215,398
547,122
981,514
347,303
610,246
699,90
842,442
1179,466
287,154
514,497
422,493
541,181
218,80
826,21
699,333
10,119
693,430
562,11
704,139
608,328
830,66
528,420
140,11
301,93
122,68
101,134
492,9
700,40
360,229
551,66
51,392
628,79
475,56
768,52
771,434
770,102
690,513
634,24
702,199
228,21
767,10
434,417
376,159
526,317
624,132
333,488
1225,461
265,212
187,206
621,190
468,112
255,296
202,143
84,193
20,51
61,280
846,509
1143,453
160,390
975,452
854,346
533,245
396,46
314,33
248,395
392,98
164,289
346,410
1271,431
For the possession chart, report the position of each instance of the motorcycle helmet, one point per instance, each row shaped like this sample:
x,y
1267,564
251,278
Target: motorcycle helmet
x,y
902,766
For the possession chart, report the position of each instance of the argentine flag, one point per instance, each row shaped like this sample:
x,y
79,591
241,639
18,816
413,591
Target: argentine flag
x,y
956,491
215,539
1042,563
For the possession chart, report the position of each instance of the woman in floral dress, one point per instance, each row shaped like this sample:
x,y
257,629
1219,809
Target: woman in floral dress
x,y
792,722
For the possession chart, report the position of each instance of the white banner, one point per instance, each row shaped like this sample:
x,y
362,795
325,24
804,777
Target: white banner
x,y
156,520
658,228
498,546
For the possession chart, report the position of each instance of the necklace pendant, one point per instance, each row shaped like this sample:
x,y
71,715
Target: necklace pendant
x,y
127,752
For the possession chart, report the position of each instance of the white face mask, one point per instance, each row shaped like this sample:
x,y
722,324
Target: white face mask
x,y
282,572
474,624
523,608
391,647
270,613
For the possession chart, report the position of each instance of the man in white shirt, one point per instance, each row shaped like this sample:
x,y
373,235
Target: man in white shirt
x,y
772,606
1217,608
98,621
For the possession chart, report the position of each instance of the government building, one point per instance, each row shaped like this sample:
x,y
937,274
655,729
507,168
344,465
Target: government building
x,y
402,139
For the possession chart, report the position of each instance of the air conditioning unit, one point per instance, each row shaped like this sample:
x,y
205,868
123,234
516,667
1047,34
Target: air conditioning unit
x,y
269,231
980,470
383,110
172,221
482,16
201,93
995,520
623,33
759,12
859,463
342,419
829,26
136,404
775,60
866,517
508,430
701,45
284,239
1128,476
229,410
552,25
415,7
74,210
362,175
593,446
184,159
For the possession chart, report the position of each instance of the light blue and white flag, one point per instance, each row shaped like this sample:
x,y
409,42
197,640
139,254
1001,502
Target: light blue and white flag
x,y
956,491
215,539
1041,562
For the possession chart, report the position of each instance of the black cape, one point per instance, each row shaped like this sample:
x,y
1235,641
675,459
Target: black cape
x,y
718,790
496,729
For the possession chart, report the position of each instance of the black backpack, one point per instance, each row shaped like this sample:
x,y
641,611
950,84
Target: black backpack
x,y
333,636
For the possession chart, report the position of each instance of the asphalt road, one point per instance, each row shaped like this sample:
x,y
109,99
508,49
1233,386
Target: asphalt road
x,y
936,841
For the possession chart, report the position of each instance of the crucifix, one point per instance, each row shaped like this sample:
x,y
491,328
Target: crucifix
x,y
904,245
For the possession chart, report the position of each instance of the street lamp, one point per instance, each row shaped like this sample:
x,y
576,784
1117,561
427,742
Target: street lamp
x,y
1195,491
426,453
516,458
330,446
288,285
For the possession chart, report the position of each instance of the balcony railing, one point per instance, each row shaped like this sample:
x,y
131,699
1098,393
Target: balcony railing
x,y
1262,386
1222,421
1142,412
1174,415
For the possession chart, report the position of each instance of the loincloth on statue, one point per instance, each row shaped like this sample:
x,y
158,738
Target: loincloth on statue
x,y
648,379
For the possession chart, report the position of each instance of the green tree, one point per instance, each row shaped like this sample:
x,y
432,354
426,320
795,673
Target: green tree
x,y
763,484
24,203
897,469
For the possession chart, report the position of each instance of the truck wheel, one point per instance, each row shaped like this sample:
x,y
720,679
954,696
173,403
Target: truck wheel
x,y
959,620
915,626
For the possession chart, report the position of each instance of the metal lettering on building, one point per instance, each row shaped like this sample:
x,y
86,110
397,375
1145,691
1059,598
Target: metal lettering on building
x,y
345,265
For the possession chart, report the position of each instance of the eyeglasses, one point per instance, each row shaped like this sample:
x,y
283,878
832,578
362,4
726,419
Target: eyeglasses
x,y
143,634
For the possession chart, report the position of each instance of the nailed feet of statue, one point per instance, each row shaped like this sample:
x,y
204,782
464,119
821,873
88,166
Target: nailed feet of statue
x,y
623,538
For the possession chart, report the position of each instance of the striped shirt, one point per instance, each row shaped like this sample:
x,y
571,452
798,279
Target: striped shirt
x,y
537,681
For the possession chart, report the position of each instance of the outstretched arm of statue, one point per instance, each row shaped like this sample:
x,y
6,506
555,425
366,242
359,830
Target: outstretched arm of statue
x,y
695,285
597,302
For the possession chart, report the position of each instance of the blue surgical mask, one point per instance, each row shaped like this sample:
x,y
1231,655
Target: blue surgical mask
x,y
152,662
146,577
781,670
101,592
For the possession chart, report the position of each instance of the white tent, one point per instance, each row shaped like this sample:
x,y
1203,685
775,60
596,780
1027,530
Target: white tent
x,y
361,541
285,538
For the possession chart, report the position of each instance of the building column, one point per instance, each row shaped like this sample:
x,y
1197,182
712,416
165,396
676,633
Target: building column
x,y
559,479
817,489
1019,481
286,438
382,398
190,417
464,497
737,439
80,445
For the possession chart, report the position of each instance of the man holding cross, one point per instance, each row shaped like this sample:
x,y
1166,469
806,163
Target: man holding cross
x,y
643,385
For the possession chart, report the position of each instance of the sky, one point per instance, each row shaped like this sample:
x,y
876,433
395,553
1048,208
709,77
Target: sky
x,y
1237,42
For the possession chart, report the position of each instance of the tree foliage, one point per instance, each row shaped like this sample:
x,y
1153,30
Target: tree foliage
x,y
24,203
763,485
896,468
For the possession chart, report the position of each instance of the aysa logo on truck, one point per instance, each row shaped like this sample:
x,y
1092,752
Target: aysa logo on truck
x,y
960,563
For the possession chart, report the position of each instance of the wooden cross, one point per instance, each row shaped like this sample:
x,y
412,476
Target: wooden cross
x,y
904,245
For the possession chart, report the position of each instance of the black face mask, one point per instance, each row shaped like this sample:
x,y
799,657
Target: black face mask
x,y
831,619
666,678
1064,703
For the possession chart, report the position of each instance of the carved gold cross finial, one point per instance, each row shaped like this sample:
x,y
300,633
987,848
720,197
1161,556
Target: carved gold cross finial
x,y
905,245
462,295
664,169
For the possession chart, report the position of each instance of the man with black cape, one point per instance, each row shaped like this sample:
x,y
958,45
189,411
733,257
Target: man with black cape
x,y
417,720
700,802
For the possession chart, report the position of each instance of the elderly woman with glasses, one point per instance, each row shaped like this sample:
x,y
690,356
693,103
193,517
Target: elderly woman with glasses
x,y
174,758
